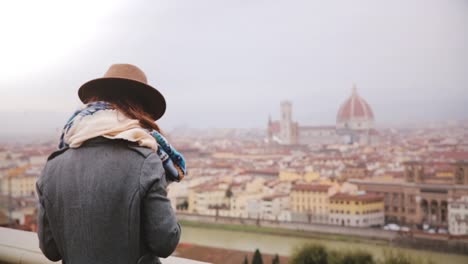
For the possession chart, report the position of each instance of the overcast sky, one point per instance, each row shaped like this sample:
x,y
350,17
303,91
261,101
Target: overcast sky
x,y
230,63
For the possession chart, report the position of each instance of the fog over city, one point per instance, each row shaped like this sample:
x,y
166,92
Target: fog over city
x,y
296,131
230,63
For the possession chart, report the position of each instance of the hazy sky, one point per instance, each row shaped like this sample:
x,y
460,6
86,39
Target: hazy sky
x,y
230,63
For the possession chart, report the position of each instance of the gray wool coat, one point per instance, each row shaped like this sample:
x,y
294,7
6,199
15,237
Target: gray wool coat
x,y
105,202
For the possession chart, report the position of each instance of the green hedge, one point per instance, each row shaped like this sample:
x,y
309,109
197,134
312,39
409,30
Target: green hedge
x,y
318,254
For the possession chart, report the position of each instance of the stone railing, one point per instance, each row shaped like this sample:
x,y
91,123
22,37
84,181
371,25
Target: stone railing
x,y
21,247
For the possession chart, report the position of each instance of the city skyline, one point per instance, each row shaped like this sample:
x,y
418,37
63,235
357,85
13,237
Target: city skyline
x,y
49,123
409,184
305,129
408,59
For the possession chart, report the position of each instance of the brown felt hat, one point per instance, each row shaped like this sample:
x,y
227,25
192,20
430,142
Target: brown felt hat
x,y
126,80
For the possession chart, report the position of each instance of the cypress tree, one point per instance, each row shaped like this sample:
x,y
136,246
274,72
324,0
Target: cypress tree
x,y
246,261
257,257
275,260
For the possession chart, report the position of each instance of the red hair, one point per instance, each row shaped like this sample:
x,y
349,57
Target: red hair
x,y
130,109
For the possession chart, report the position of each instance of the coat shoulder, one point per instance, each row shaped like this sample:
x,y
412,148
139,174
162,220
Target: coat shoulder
x,y
143,151
56,153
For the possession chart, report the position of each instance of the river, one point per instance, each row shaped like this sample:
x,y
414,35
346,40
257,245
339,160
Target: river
x,y
284,245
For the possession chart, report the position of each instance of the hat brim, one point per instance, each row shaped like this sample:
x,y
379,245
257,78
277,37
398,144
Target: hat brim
x,y
151,100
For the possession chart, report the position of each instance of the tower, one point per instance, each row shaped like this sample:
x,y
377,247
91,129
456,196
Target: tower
x,y
286,122
270,129
461,172
414,171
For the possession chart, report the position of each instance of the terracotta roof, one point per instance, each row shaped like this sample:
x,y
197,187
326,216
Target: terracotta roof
x,y
273,183
274,127
210,188
318,128
272,197
374,132
264,171
395,174
207,186
354,107
238,184
311,187
453,155
368,197
221,165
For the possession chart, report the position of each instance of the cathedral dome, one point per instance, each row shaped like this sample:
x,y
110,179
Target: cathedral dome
x,y
355,113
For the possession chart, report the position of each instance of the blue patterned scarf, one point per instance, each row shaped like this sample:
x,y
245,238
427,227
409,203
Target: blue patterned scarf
x,y
173,161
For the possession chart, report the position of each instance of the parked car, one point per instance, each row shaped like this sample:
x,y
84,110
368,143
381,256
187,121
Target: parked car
x,y
392,227
442,231
405,229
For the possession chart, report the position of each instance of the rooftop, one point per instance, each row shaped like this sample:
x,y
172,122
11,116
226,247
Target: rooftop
x,y
311,187
357,197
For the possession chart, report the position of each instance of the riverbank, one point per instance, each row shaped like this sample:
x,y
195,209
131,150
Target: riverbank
x,y
323,229
220,255
282,232
329,232
219,236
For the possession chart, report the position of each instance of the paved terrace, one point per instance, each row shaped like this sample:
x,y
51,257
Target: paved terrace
x,y
21,247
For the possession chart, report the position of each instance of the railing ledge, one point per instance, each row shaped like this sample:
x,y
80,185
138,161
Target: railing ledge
x,y
22,247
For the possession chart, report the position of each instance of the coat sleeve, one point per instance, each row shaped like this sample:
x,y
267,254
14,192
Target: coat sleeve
x,y
161,231
47,243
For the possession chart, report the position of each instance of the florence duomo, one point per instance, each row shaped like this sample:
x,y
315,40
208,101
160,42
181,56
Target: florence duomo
x,y
354,124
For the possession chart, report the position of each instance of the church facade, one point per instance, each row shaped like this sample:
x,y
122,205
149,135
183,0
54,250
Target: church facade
x,y
354,124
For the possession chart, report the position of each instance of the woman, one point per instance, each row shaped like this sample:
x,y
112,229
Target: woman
x,y
102,195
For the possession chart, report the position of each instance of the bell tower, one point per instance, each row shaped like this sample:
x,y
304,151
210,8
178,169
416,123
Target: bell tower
x,y
461,172
270,129
414,171
286,122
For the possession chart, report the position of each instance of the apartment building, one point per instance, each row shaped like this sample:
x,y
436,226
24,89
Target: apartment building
x,y
19,182
357,210
309,202
458,216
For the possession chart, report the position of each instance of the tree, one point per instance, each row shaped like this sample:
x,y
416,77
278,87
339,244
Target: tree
x,y
275,260
229,193
399,257
246,260
350,257
310,254
182,206
257,257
